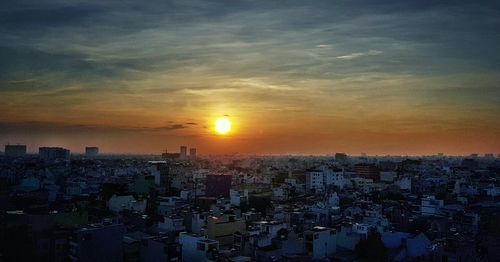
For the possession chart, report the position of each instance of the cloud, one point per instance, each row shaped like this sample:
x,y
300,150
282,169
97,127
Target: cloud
x,y
171,127
42,16
36,126
358,55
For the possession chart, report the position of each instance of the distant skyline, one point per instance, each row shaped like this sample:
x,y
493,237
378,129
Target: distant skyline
x,y
295,77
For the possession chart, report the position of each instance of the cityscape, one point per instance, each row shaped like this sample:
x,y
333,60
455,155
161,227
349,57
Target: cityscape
x,y
180,206
249,130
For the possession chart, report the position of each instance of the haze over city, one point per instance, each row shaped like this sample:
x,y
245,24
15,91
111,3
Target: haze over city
x,y
293,77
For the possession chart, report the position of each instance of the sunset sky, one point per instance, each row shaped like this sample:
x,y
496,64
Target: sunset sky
x,y
301,77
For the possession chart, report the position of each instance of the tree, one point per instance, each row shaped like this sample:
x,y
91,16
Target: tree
x,y
371,248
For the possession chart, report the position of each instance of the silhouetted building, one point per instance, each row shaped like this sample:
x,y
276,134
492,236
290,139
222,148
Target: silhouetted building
x,y
91,151
15,150
340,157
192,153
97,242
183,153
387,165
369,171
170,155
470,163
53,153
218,185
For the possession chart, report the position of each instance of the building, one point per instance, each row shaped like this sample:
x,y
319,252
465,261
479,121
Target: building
x,y
15,150
91,151
335,177
314,180
97,242
192,153
340,157
166,155
238,198
53,153
321,242
430,206
320,179
183,152
223,227
388,176
174,223
218,185
128,202
157,249
160,170
369,171
195,247
262,233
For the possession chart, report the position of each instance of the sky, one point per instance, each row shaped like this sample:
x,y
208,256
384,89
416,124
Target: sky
x,y
294,77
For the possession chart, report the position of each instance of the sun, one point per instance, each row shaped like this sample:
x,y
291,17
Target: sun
x,y
222,125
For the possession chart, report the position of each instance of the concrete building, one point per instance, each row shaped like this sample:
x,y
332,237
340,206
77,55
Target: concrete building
x,y
195,222
388,176
320,179
238,198
183,152
160,170
15,150
430,206
53,153
128,202
335,177
314,180
172,224
218,185
192,153
321,242
195,247
159,249
223,227
368,171
91,151
97,242
263,232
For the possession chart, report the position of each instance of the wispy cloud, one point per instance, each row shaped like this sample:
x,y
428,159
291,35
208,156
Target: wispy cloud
x,y
171,127
358,55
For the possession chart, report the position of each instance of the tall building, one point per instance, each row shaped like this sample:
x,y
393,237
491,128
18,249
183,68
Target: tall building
x,y
192,153
218,185
369,171
183,152
15,150
160,170
53,153
91,151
